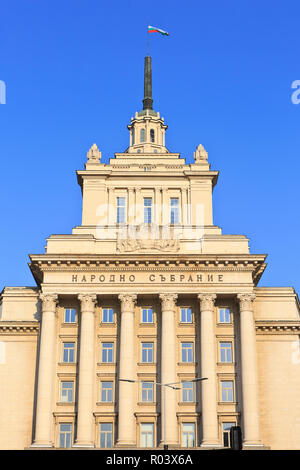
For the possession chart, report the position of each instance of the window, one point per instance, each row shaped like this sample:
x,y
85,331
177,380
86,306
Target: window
x,y
142,135
187,391
227,391
147,315
186,315
226,433
187,352
147,391
67,392
152,135
106,392
107,352
188,434
174,216
133,136
225,352
70,315
147,352
68,352
121,204
106,435
224,315
108,315
147,434
147,210
65,435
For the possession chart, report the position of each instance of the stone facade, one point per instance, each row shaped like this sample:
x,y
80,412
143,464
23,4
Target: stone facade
x,y
147,326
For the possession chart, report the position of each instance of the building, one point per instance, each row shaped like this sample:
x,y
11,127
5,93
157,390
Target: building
x,y
148,292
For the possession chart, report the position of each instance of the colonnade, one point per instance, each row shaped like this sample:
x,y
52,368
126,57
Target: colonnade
x,y
126,405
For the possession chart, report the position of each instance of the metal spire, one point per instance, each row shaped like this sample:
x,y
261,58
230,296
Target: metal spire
x,y
147,101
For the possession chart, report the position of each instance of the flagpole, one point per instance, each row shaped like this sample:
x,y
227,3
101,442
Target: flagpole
x,y
147,42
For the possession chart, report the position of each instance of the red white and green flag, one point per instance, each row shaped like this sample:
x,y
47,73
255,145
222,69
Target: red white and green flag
x,y
152,29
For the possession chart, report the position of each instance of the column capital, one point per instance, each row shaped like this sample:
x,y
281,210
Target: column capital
x,y
87,302
127,302
246,300
168,301
207,301
49,302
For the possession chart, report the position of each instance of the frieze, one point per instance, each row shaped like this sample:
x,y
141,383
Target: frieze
x,y
151,278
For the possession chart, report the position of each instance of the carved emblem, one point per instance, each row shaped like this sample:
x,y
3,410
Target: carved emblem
x,y
200,154
94,155
136,244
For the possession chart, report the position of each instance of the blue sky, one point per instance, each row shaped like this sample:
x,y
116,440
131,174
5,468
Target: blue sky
x,y
74,76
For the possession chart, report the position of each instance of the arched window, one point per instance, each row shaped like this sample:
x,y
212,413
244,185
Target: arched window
x,y
152,135
142,135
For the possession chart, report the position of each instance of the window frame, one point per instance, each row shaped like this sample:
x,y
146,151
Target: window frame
x,y
219,316
147,433
107,350
147,210
70,309
147,315
108,392
186,432
65,434
108,315
106,433
191,313
176,207
225,392
121,209
186,350
147,350
68,391
68,351
225,352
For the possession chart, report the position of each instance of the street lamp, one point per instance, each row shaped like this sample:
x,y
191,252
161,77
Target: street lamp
x,y
171,385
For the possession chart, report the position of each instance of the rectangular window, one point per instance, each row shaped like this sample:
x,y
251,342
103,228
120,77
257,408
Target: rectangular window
x,y
121,206
187,391
68,352
224,315
107,392
147,352
107,352
108,315
225,352
226,433
174,207
147,315
67,392
65,435
106,435
70,315
147,434
186,315
147,392
187,352
147,210
188,434
227,391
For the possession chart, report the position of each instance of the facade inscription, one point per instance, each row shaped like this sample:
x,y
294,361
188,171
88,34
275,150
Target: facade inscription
x,y
148,277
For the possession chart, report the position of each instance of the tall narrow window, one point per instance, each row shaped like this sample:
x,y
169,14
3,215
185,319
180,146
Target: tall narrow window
x,y
174,206
67,392
147,315
147,210
121,210
107,352
106,392
106,435
224,315
142,135
188,434
187,391
147,391
70,315
147,434
187,352
226,433
65,435
133,136
186,315
68,352
227,391
147,352
108,315
226,352
152,135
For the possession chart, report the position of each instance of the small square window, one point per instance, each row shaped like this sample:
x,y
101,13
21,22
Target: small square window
x,y
224,315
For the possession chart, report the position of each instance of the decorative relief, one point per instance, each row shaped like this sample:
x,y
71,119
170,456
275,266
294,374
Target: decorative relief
x,y
136,244
49,302
246,301
200,154
207,301
87,302
94,155
168,301
127,302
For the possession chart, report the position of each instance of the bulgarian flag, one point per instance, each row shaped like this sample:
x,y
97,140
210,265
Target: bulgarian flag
x,y
152,29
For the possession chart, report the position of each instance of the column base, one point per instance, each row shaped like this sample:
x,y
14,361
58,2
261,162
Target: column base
x,y
40,444
211,444
84,445
252,445
125,445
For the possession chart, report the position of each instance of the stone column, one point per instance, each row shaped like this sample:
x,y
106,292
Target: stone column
x,y
251,435
208,369
168,369
85,420
47,360
126,419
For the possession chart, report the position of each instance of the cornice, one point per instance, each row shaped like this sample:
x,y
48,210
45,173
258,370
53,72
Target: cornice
x,y
19,328
277,327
